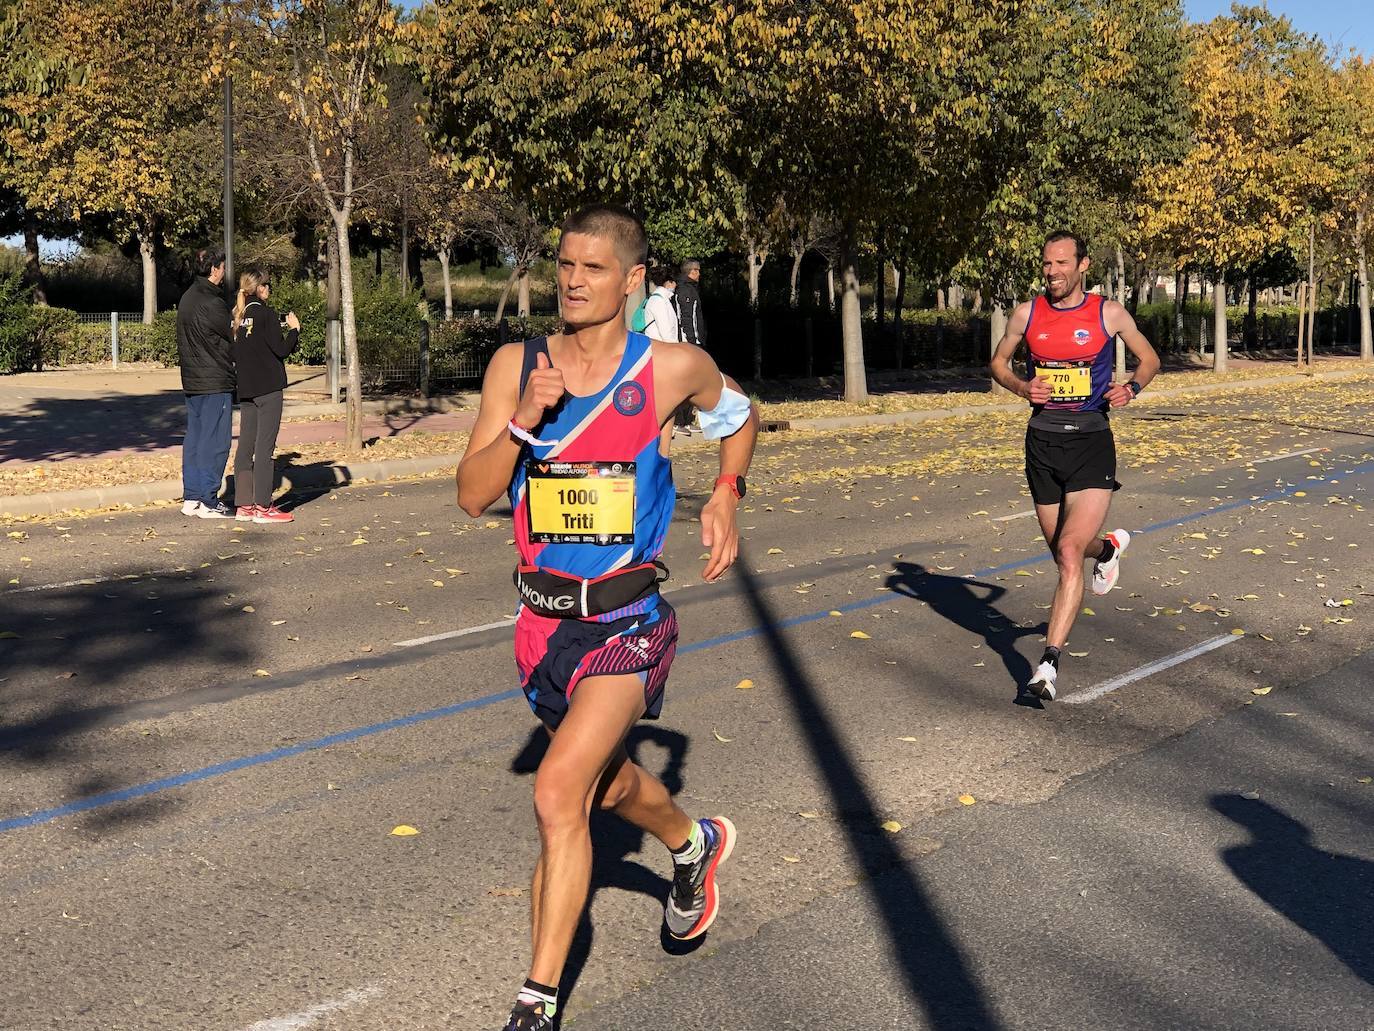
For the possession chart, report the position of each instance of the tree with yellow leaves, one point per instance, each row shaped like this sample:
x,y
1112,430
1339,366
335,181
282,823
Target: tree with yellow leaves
x,y
323,66
107,119
1234,196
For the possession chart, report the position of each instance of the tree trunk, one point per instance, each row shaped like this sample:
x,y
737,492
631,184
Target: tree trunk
x,y
880,286
333,332
940,298
1366,338
354,406
1302,319
999,329
448,283
756,259
1180,284
830,283
1311,288
898,300
523,294
855,375
404,264
505,293
33,265
1219,324
146,245
798,252
1121,300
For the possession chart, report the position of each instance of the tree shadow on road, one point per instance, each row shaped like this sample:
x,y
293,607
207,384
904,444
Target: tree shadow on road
x,y
939,979
956,599
80,656
613,841
1330,896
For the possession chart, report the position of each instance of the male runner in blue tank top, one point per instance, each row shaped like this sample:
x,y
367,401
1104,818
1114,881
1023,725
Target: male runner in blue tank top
x,y
574,430
1070,451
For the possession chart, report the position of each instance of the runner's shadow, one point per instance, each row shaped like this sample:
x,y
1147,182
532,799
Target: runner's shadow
x,y
613,841
940,981
957,599
1330,896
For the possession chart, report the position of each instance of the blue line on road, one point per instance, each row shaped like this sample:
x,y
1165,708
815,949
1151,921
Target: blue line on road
x,y
357,733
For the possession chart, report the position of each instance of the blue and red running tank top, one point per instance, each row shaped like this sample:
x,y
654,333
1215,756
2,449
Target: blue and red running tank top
x,y
619,423
1073,348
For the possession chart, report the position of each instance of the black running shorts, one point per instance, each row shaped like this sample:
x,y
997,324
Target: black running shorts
x,y
1061,463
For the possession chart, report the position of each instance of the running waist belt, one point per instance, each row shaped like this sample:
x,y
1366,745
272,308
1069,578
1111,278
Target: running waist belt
x,y
561,596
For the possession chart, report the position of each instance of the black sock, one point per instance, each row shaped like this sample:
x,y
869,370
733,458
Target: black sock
x,y
536,994
1108,550
1051,656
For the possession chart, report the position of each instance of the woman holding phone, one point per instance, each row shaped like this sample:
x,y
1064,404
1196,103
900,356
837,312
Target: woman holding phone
x,y
262,343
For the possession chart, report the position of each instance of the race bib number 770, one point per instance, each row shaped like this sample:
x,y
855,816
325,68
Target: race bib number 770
x,y
1067,382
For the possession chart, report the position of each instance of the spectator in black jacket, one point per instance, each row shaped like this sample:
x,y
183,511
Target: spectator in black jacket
x,y
690,315
207,380
261,346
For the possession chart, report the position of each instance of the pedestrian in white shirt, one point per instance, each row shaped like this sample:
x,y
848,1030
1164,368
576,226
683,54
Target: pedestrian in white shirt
x,y
660,310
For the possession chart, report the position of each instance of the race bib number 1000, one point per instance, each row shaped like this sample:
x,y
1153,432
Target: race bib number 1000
x,y
1067,382
581,502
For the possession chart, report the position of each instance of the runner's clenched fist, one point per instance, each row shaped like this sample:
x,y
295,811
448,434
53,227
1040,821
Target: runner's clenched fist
x,y
543,391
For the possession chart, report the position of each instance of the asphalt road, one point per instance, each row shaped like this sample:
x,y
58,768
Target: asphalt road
x,y
206,744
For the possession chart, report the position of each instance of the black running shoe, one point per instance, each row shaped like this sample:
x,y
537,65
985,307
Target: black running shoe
x,y
526,1017
693,902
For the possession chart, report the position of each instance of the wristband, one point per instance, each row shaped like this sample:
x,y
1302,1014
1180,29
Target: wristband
x,y
1135,387
520,433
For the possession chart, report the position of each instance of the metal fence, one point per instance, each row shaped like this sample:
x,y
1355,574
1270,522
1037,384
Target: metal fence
x,y
105,336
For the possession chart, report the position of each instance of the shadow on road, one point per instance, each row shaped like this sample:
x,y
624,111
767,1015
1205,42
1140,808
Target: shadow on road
x,y
956,599
1330,896
48,429
939,978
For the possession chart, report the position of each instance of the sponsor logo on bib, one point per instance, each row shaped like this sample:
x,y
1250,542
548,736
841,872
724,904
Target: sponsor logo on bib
x,y
629,398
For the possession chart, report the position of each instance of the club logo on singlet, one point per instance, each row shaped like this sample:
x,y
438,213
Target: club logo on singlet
x,y
1082,337
629,398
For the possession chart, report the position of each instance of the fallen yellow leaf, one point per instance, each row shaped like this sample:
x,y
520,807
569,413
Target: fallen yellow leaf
x,y
404,830
722,740
891,826
790,859
744,685
1260,690
967,800
836,612
859,635
775,551
1237,632
906,739
261,673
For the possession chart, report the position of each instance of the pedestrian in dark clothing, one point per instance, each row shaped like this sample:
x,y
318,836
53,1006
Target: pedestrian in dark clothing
x,y
207,380
693,327
689,303
262,343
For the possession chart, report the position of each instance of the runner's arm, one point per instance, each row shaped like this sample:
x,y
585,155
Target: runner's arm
x,y
696,374
1035,391
1119,321
485,470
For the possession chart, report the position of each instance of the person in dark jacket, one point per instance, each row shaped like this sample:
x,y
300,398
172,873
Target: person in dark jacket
x,y
689,303
207,380
261,346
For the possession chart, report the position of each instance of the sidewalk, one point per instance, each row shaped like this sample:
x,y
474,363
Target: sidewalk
x,y
100,420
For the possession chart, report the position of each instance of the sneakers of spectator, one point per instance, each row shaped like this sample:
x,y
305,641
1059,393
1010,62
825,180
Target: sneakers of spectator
x,y
190,508
219,510
245,513
272,514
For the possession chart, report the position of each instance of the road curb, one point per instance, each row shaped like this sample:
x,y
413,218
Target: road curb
x,y
335,474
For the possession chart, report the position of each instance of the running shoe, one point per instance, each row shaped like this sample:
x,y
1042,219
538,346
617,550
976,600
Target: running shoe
x,y
1105,574
272,514
693,902
1042,684
245,513
190,508
219,510
525,1017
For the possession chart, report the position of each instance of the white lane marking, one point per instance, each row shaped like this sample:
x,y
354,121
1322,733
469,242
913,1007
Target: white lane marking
x,y
452,633
1014,515
1149,669
92,581
1290,454
295,1021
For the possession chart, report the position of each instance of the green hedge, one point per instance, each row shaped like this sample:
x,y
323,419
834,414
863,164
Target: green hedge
x,y
17,350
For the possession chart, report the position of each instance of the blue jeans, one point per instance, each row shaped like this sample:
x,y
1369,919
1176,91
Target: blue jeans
x,y
204,452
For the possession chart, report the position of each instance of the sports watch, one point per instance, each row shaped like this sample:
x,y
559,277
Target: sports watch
x,y
735,483
1135,387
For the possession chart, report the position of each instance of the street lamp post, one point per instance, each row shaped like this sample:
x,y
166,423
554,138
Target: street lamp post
x,y
229,184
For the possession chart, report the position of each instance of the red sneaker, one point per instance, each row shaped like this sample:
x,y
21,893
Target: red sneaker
x,y
245,513
272,514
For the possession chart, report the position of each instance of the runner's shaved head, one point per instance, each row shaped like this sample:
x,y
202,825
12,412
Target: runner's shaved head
x,y
616,223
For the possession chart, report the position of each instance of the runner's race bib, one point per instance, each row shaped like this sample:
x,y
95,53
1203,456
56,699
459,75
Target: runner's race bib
x,y
1069,381
581,502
